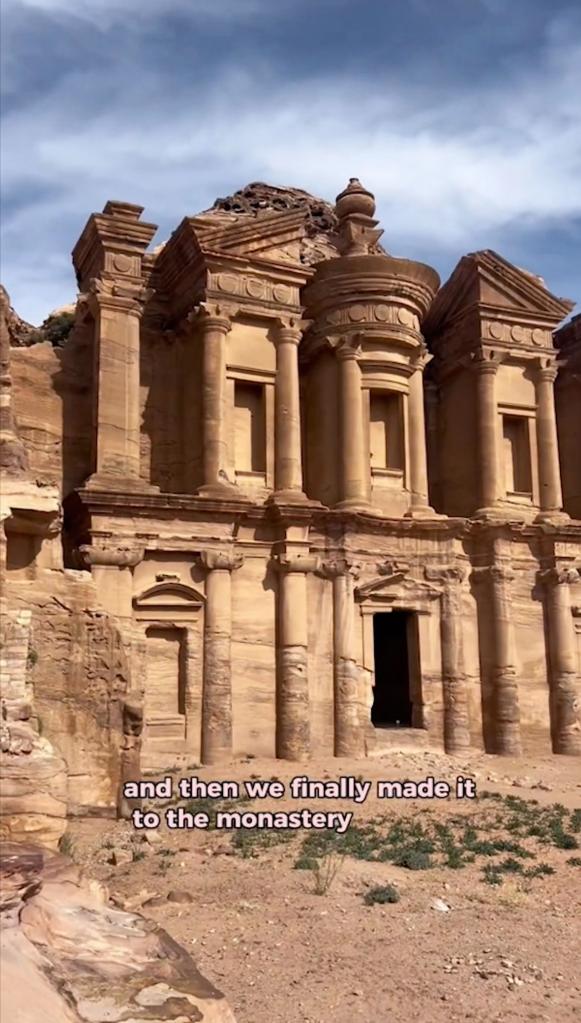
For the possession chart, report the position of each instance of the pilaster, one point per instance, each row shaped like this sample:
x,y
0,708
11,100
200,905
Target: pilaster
x,y
108,259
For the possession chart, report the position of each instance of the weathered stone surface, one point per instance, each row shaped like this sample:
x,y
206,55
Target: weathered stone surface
x,y
245,402
78,960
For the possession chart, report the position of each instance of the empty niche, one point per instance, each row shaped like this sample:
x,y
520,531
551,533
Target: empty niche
x,y
249,427
386,431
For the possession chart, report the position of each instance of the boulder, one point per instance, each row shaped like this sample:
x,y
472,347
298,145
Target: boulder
x,y
68,956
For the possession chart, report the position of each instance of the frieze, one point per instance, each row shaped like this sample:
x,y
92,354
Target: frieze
x,y
257,289
359,312
516,333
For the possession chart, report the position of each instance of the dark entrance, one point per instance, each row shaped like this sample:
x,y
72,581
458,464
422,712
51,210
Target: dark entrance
x,y
392,705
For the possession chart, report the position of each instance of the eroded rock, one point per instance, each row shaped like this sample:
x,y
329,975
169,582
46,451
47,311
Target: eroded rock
x,y
67,956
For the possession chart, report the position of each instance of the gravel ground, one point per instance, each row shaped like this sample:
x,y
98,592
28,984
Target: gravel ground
x,y
452,947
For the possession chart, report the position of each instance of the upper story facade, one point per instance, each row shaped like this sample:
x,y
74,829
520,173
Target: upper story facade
x,y
272,351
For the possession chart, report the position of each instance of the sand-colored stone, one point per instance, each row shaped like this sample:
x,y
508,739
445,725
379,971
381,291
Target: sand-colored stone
x,y
264,433
76,959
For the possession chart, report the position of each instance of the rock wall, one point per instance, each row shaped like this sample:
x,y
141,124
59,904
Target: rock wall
x,y
69,957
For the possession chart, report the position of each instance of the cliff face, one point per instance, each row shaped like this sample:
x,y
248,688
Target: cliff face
x,y
67,736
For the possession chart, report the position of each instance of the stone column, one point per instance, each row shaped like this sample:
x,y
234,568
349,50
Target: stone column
x,y
353,457
349,729
118,415
565,687
487,431
288,473
217,684
418,467
456,719
292,712
550,495
504,677
214,328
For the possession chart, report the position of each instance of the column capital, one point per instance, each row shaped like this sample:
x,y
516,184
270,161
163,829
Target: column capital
x,y
288,332
349,350
121,557
560,575
220,560
339,567
496,573
448,575
302,563
486,361
117,296
546,372
215,318
420,358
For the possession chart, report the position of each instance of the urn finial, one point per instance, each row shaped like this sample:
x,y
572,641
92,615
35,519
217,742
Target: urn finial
x,y
355,209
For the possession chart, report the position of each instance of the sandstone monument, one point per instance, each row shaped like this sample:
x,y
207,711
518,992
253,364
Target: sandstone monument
x,y
280,493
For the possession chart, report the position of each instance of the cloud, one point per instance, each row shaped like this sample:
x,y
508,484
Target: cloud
x,y
447,168
105,13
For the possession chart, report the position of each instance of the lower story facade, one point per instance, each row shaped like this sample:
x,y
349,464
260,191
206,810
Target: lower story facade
x,y
301,632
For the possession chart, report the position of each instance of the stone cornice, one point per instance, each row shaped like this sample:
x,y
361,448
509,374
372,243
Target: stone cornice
x,y
192,508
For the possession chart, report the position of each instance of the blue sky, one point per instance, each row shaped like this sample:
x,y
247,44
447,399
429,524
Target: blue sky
x,y
463,116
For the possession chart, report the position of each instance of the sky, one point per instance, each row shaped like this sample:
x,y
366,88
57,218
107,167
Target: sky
x,y
462,116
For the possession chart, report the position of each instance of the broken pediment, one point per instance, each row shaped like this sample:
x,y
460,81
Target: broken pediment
x,y
485,284
394,583
270,236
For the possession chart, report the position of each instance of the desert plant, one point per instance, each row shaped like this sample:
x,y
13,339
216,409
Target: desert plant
x,y
325,871
381,894
66,845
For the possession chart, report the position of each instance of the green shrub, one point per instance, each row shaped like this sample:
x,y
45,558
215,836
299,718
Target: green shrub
x,y
381,894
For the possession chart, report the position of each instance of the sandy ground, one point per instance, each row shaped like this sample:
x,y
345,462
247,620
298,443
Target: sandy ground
x,y
452,948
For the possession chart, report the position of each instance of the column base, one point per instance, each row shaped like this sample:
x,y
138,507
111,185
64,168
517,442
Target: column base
x,y
423,511
122,484
493,511
354,504
282,497
223,491
554,517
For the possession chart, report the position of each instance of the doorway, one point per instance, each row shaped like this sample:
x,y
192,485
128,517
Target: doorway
x,y
392,694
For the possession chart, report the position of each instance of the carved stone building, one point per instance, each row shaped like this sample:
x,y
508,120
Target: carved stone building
x,y
327,503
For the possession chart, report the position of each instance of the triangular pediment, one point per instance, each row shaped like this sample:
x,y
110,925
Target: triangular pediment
x,y
486,283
